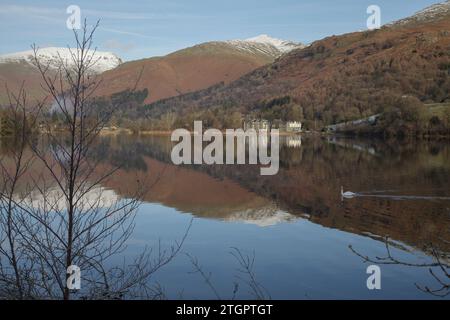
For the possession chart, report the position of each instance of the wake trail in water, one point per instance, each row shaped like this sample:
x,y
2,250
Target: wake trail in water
x,y
400,197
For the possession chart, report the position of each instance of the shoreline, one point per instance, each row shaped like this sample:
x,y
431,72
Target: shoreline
x,y
168,133
349,134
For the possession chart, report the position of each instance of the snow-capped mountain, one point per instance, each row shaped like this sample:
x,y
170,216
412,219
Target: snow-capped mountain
x,y
431,13
53,57
266,45
197,67
281,45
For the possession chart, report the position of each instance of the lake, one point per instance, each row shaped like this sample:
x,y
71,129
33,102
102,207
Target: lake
x,y
296,224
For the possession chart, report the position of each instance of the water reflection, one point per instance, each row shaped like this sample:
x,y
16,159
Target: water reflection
x,y
307,187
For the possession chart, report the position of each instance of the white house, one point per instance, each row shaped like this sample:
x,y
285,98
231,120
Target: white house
x,y
293,126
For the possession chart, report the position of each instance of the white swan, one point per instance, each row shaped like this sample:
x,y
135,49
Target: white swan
x,y
347,194
350,195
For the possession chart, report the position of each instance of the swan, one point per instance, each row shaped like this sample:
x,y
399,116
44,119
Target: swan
x,y
347,194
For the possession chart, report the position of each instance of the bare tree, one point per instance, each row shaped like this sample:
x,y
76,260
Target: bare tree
x,y
245,274
65,217
19,121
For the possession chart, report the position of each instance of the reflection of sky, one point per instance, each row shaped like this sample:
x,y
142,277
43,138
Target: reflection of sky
x,y
297,260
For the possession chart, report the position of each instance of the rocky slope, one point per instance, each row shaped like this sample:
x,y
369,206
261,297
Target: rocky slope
x,y
432,13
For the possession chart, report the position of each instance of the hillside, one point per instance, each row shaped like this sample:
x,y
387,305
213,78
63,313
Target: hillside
x,y
195,68
14,74
338,78
19,68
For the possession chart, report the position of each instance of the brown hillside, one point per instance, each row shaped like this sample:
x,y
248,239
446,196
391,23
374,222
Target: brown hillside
x,y
340,77
184,71
14,74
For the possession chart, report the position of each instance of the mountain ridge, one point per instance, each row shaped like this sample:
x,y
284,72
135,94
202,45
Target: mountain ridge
x,y
272,46
211,63
335,79
195,68
431,13
54,56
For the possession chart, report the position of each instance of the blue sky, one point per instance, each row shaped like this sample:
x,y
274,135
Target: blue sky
x,y
138,29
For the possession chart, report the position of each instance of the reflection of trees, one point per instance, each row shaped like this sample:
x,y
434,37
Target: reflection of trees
x,y
245,274
310,178
128,156
439,269
129,151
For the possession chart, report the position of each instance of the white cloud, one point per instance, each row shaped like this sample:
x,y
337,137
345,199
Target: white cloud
x,y
124,32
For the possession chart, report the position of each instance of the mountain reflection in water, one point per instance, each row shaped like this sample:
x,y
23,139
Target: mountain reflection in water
x,y
306,188
307,185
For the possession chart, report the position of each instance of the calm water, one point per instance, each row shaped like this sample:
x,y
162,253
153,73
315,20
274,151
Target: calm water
x,y
295,223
